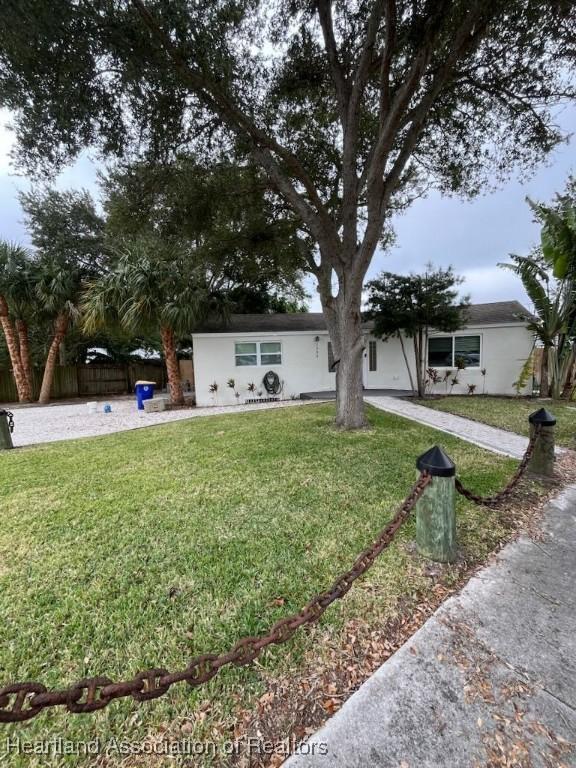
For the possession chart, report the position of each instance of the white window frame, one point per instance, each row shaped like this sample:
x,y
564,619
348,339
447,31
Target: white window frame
x,y
453,337
259,353
373,345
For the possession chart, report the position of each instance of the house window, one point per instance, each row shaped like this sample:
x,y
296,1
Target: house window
x,y
258,353
270,353
246,353
331,362
467,348
440,352
445,351
372,359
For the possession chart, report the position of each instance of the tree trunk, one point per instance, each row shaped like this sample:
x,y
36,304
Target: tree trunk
x,y
344,321
410,377
418,359
22,387
544,384
62,352
172,367
60,328
24,345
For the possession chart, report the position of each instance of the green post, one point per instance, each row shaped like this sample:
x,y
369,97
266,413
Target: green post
x,y
542,462
6,427
436,508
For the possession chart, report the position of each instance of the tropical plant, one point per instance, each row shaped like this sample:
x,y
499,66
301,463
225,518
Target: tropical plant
x,y
432,378
552,301
58,292
526,373
15,304
483,372
471,388
153,286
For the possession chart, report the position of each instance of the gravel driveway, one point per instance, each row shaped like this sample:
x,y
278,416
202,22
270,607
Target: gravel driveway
x,y
46,424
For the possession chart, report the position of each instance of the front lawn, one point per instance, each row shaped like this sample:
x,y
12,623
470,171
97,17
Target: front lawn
x,y
510,413
146,548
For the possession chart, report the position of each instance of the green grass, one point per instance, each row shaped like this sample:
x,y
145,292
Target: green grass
x,y
510,413
146,548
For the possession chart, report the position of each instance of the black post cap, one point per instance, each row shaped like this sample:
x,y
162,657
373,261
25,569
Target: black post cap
x,y
436,462
542,417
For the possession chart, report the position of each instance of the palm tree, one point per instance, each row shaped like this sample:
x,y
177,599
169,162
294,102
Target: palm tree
x,y
57,290
15,302
153,287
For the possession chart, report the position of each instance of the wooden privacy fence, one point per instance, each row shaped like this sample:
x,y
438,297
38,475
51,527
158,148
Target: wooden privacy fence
x,y
95,380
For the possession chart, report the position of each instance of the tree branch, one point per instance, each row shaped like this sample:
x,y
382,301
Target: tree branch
x,y
338,75
466,39
326,238
387,55
236,119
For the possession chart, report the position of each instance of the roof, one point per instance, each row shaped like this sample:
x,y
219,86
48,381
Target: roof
x,y
494,313
497,312
276,323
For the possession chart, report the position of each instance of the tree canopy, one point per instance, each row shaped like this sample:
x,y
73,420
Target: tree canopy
x,y
412,305
351,107
231,225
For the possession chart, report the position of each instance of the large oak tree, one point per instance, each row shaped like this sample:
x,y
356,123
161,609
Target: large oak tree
x,y
351,107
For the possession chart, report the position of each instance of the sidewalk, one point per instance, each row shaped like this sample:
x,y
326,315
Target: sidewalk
x,y
490,679
492,438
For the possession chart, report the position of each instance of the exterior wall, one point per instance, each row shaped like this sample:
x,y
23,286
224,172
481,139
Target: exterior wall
x,y
503,351
304,367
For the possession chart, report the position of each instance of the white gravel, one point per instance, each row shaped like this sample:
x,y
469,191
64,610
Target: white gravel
x,y
47,424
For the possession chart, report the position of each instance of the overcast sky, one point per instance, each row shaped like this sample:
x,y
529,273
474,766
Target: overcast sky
x,y
472,236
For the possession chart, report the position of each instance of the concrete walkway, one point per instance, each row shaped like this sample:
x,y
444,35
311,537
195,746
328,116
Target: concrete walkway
x,y
490,679
492,438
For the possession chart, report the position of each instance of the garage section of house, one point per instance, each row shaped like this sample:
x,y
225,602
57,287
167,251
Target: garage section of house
x,y
231,361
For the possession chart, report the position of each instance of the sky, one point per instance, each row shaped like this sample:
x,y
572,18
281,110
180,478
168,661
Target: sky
x,y
472,236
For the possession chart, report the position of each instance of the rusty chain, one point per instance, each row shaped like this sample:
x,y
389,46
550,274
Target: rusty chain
x,y
23,701
9,418
491,501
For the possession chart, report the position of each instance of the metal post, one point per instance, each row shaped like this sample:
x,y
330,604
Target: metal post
x,y
542,461
6,429
436,508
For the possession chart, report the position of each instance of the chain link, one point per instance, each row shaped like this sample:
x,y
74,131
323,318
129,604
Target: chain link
x,y
9,418
23,701
492,501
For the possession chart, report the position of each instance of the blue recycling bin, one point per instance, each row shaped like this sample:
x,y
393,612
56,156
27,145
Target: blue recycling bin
x,y
144,391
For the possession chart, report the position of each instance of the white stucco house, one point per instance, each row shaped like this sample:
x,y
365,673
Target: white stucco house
x,y
297,348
